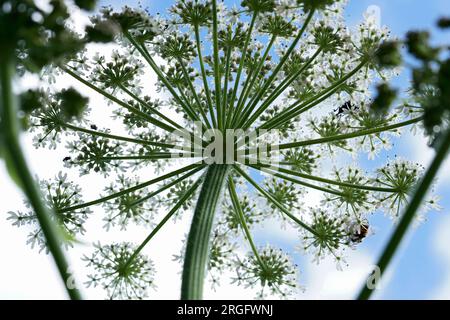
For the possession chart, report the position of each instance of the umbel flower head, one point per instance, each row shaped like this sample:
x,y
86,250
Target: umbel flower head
x,y
331,235
116,272
60,194
273,271
286,74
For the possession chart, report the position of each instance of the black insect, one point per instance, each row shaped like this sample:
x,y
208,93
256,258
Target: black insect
x,y
348,106
67,159
94,127
360,233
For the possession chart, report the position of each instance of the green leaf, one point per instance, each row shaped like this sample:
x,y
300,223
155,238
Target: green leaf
x,y
388,54
86,4
383,101
72,103
103,31
444,23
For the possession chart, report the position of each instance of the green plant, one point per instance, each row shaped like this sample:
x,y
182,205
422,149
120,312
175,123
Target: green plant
x,y
36,38
430,78
288,74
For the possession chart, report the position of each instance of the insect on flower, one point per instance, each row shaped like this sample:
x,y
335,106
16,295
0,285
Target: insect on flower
x,y
271,72
346,107
360,233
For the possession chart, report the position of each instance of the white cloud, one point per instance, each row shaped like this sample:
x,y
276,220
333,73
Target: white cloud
x,y
24,273
325,281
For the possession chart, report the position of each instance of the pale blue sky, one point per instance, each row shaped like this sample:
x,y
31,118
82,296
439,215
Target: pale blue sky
x,y
419,270
422,271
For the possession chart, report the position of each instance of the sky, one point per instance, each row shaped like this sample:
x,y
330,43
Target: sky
x,y
421,270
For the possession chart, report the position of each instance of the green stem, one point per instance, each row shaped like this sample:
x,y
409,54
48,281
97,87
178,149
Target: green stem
x,y
328,181
145,54
243,57
125,191
177,206
274,201
204,76
198,242
347,136
225,102
277,92
154,110
339,137
299,182
280,65
216,61
166,186
194,93
241,217
132,109
121,138
249,84
299,107
150,156
410,211
10,130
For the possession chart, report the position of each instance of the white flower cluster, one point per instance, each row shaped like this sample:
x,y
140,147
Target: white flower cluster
x,y
288,65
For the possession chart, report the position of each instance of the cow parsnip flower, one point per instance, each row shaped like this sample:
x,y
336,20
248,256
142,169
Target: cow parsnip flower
x,y
252,214
287,65
128,207
332,236
402,176
273,272
120,276
59,194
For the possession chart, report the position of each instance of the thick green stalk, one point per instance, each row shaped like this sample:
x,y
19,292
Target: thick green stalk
x,y
10,130
198,242
410,212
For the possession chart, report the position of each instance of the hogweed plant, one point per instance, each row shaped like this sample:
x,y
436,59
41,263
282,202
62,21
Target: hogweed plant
x,y
255,103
